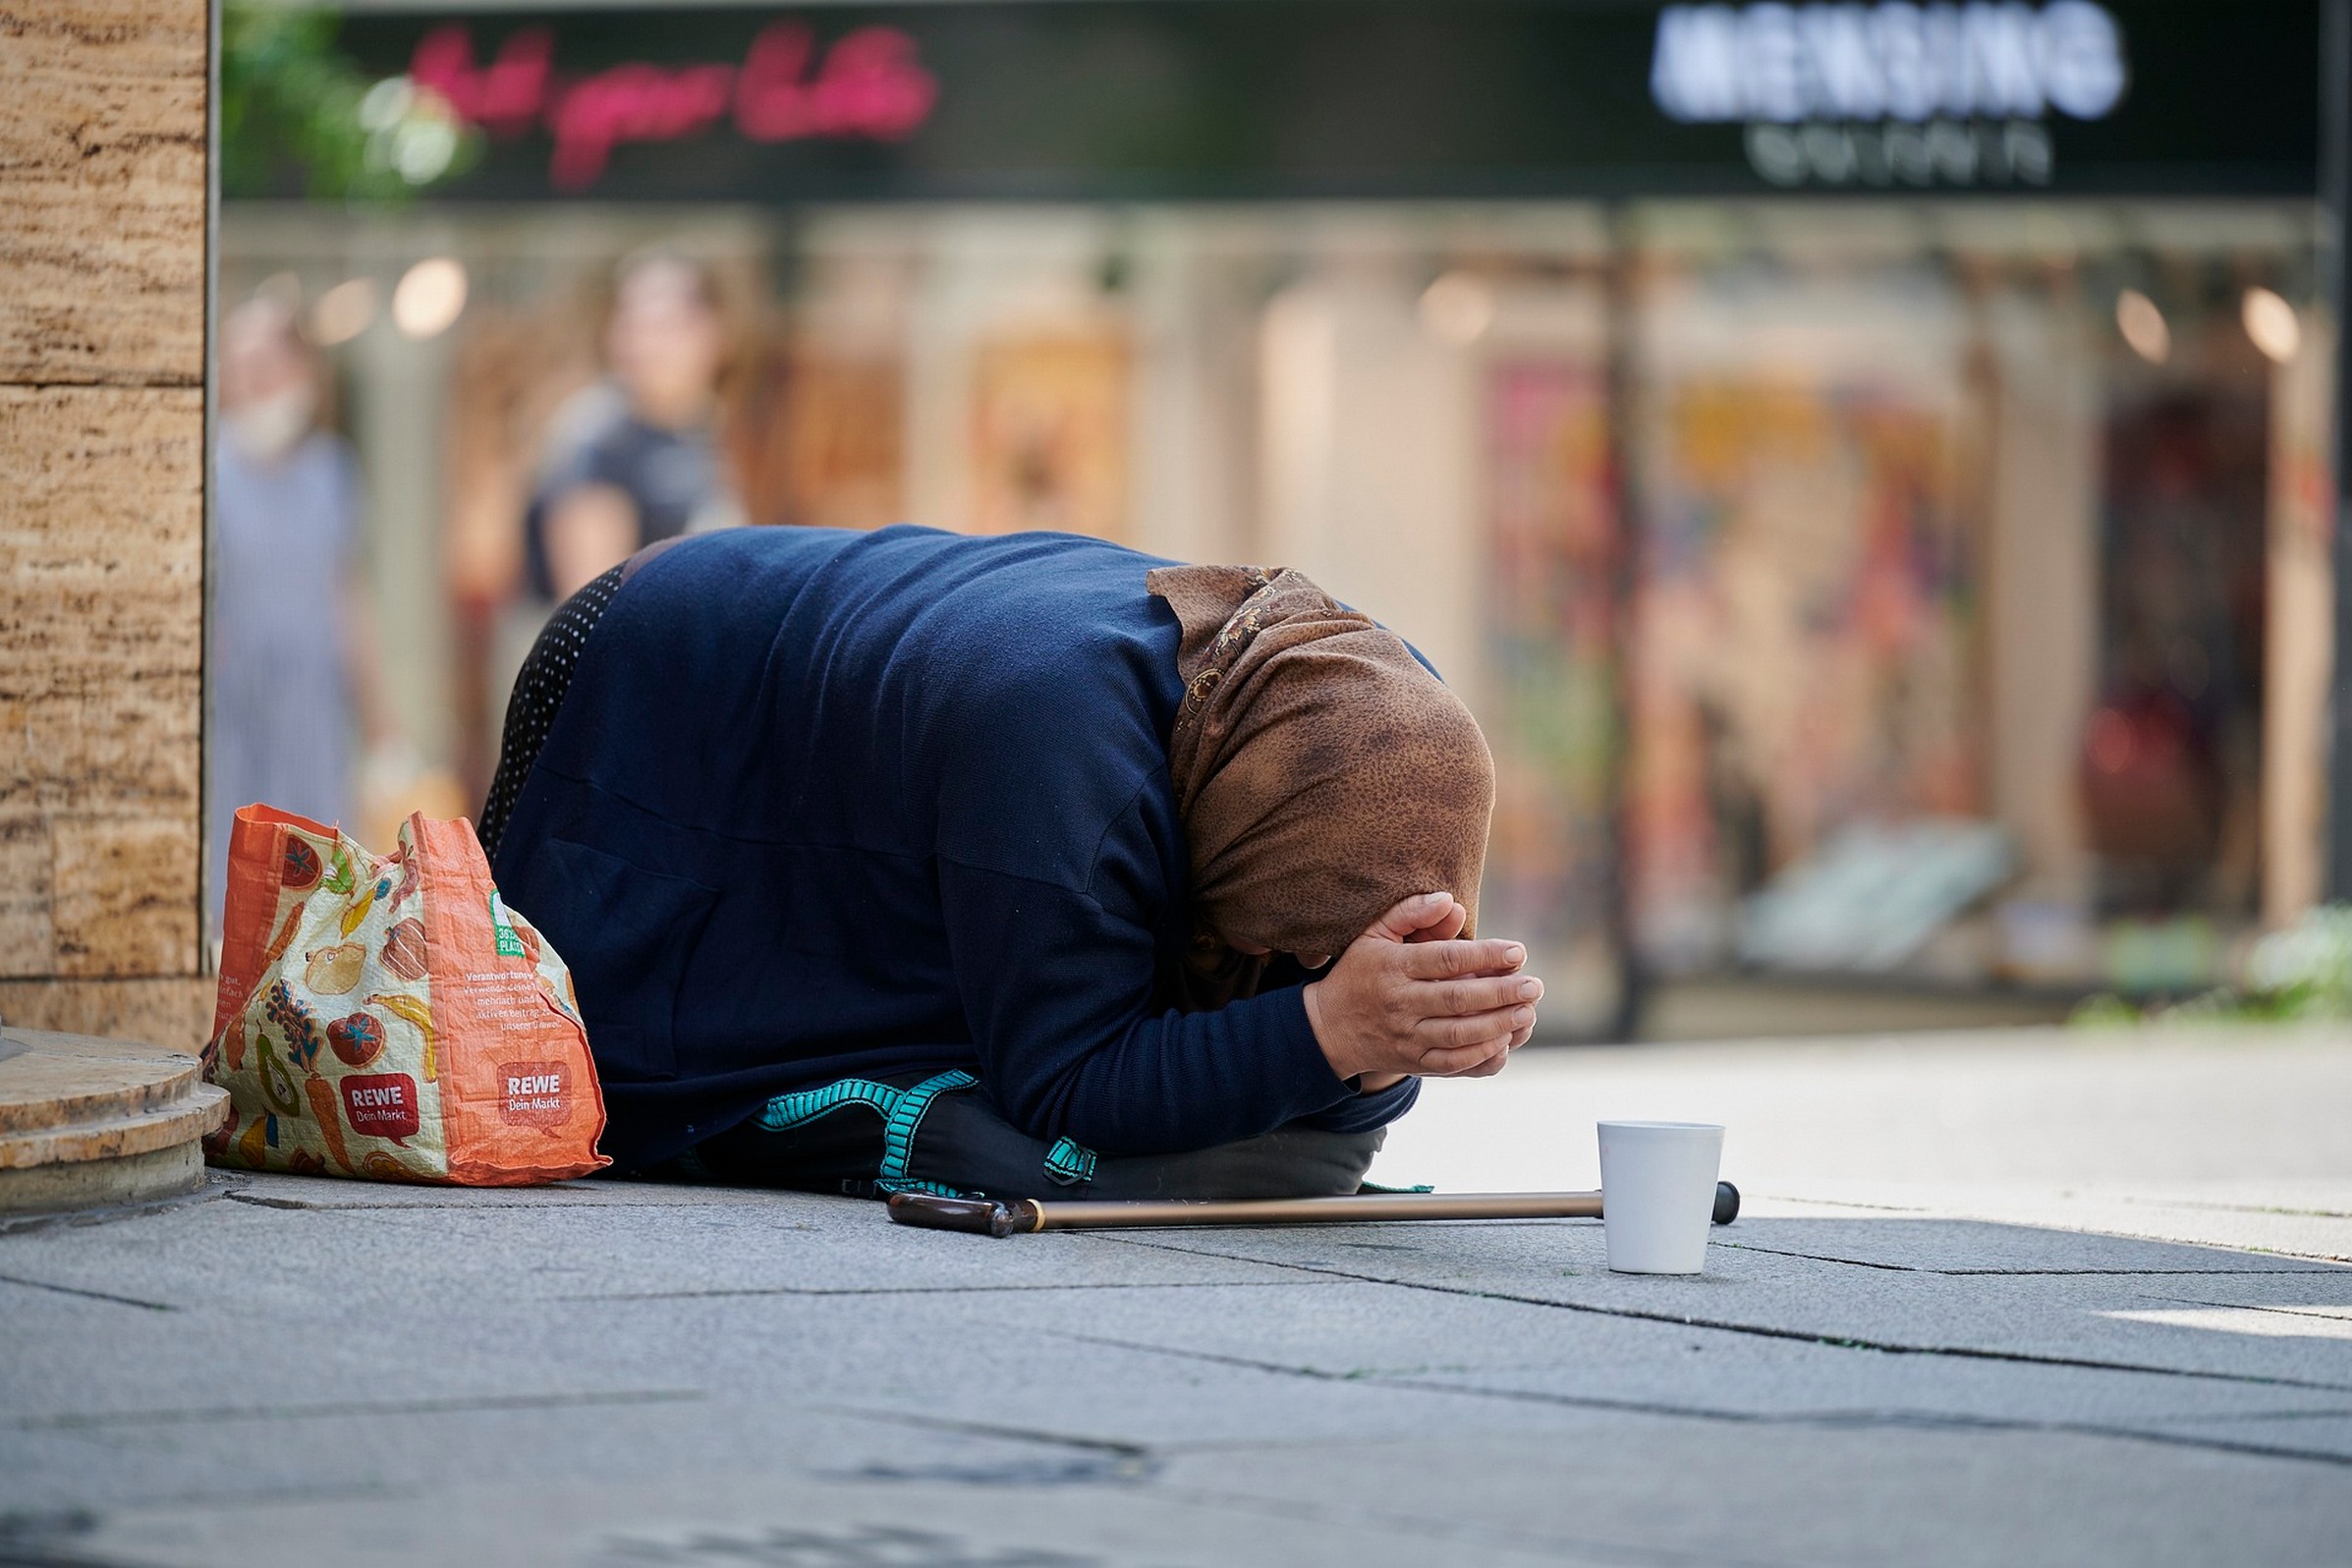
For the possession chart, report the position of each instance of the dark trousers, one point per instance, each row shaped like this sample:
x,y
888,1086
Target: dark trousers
x,y
960,1143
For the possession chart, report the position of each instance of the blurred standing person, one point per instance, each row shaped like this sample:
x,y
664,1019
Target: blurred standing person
x,y
295,674
634,459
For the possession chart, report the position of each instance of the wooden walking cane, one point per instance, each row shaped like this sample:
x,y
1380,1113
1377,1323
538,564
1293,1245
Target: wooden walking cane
x,y
988,1216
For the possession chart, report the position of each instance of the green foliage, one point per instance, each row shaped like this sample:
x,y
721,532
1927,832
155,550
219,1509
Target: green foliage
x,y
299,118
2104,1011
2300,974
2306,970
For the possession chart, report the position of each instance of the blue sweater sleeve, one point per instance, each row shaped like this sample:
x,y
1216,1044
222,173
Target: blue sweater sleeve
x,y
1056,985
1360,1113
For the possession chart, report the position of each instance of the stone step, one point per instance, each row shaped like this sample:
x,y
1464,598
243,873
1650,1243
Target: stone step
x,y
85,1121
48,1080
183,1121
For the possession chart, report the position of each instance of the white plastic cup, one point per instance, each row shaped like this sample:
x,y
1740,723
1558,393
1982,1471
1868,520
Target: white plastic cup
x,y
1657,1194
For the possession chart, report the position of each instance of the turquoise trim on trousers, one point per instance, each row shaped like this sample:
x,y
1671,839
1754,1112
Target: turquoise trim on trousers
x,y
901,1110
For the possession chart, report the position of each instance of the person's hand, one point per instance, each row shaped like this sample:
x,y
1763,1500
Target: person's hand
x,y
1444,924
1408,999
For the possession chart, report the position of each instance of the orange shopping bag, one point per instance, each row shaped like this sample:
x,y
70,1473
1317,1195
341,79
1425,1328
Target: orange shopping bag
x,y
390,1018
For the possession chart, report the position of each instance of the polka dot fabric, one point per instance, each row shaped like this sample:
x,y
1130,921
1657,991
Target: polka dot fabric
x,y
540,689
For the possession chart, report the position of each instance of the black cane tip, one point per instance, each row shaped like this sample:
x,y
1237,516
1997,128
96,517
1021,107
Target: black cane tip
x,y
1727,1203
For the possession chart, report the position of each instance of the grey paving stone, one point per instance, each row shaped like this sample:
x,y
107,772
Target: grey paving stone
x,y
2285,1222
729,1520
1650,1490
1516,1353
247,1400
231,1250
2034,1313
1618,1490
306,1370
1971,1248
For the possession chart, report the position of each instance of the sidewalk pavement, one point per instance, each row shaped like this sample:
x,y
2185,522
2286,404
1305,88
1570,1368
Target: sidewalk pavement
x,y
1996,1298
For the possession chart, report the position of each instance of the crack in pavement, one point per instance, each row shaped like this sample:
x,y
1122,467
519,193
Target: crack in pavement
x,y
2239,1208
1806,1336
2189,1417
77,1218
1117,1448
1917,1268
2310,1312
308,1207
1905,1420
88,1295
75,1421
1127,1461
932,1290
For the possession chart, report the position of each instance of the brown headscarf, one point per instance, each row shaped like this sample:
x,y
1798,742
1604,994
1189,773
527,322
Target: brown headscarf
x,y
1321,772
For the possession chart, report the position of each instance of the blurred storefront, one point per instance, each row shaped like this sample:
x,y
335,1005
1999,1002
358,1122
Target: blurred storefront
x,y
1866,464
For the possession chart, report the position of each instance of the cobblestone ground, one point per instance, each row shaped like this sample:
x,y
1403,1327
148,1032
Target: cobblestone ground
x,y
1999,1298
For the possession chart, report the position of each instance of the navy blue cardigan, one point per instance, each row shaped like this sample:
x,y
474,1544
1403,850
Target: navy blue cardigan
x,y
823,803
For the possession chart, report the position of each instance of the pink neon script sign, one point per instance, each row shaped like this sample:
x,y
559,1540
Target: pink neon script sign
x,y
868,85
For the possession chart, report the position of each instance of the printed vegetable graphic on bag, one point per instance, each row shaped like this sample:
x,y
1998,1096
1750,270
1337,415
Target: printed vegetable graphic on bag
x,y
390,1018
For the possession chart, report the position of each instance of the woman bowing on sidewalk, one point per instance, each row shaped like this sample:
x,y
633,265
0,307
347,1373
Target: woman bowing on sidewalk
x,y
1020,864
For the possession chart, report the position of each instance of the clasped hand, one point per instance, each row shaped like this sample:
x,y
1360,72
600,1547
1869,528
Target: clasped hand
x,y
1409,999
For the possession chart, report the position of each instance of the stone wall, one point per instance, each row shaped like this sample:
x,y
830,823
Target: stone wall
x,y
102,337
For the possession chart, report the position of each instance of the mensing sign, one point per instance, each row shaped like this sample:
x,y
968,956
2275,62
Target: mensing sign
x,y
1895,61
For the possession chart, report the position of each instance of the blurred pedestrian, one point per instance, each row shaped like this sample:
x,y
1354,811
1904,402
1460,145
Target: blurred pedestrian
x,y
634,459
294,665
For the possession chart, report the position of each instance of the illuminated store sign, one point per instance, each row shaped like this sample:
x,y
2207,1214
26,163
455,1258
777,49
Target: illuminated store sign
x,y
1892,61
1119,100
1895,93
867,85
